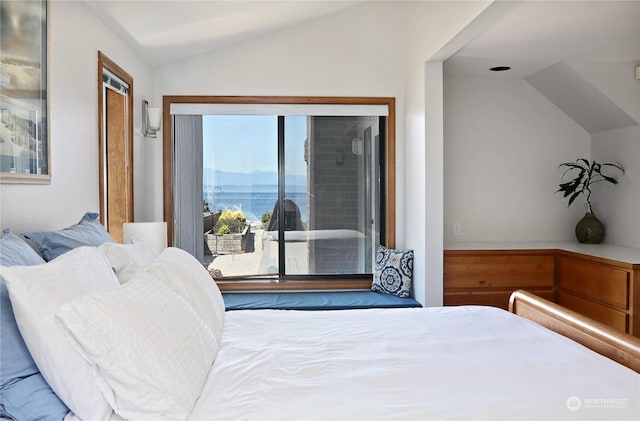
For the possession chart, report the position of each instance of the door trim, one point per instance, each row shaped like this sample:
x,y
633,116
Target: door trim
x,y
105,62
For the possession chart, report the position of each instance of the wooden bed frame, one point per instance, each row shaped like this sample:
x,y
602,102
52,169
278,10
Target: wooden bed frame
x,y
602,339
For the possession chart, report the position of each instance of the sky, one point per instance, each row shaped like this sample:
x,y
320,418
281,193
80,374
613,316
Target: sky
x,y
250,143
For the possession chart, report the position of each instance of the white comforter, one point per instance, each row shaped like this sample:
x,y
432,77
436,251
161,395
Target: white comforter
x,y
410,364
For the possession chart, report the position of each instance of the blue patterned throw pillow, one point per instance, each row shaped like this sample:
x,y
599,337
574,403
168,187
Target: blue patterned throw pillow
x,y
393,272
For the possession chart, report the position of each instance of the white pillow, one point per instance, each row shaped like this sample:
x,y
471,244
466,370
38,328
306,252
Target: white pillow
x,y
36,293
186,275
150,350
126,259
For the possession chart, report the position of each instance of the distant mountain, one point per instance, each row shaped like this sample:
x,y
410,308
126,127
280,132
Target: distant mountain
x,y
214,177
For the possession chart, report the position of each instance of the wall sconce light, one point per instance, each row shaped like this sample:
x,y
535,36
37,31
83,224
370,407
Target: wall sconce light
x,y
151,120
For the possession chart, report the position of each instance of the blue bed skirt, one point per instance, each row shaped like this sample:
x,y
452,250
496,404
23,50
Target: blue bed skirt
x,y
340,300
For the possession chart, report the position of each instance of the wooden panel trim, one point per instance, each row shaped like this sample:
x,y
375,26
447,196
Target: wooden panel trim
x,y
390,165
105,62
342,284
618,346
501,252
230,99
634,307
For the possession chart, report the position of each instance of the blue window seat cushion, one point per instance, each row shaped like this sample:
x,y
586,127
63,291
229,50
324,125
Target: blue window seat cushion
x,y
338,300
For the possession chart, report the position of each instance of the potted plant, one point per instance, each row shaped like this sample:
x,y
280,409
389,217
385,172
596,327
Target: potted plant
x,y
230,234
584,174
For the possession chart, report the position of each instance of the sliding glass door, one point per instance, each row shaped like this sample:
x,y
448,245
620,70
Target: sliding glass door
x,y
290,195
240,190
341,218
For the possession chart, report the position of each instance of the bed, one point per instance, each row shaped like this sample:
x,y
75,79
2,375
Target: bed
x,y
442,363
159,345
430,363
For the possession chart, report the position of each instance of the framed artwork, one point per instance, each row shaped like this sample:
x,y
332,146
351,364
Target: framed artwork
x,y
24,140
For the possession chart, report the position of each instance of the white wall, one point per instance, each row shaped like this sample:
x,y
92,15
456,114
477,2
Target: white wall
x,y
428,27
75,36
616,79
618,207
503,144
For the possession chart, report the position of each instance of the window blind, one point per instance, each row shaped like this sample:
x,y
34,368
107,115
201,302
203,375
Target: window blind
x,y
281,109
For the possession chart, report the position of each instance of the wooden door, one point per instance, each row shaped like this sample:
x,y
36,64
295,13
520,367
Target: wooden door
x,y
116,165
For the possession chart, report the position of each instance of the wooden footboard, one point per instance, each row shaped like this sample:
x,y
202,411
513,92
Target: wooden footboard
x,y
604,340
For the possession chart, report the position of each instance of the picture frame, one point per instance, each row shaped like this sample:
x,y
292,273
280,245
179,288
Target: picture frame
x,y
24,134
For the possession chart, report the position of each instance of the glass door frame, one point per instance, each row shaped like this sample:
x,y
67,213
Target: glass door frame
x,y
387,191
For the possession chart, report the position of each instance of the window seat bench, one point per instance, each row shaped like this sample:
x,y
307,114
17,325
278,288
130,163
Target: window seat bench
x,y
334,300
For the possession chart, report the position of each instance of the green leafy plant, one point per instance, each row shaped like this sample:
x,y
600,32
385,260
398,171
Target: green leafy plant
x,y
585,173
234,220
266,217
224,230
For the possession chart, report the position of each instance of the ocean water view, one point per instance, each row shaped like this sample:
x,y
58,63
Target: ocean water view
x,y
253,200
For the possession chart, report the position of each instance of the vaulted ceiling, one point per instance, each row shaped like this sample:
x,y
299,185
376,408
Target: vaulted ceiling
x,y
533,35
164,31
534,38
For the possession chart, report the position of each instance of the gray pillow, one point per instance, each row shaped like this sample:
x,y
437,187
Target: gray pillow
x,y
88,232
